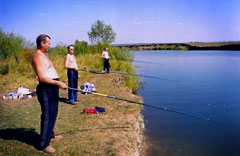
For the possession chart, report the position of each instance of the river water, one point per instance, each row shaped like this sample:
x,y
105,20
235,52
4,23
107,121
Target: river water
x,y
200,83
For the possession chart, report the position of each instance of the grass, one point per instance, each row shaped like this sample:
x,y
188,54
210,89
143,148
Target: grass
x,y
110,133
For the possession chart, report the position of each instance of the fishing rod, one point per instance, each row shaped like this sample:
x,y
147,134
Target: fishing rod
x,y
138,61
123,73
156,107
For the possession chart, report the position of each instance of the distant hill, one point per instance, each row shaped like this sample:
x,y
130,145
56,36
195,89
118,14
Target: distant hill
x,y
183,46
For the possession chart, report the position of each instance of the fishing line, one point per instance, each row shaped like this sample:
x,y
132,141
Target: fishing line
x,y
122,73
139,61
156,107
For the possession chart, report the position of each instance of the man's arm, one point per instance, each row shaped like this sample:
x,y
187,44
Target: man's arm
x,y
66,62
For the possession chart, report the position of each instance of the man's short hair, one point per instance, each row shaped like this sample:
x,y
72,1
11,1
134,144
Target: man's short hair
x,y
41,38
71,45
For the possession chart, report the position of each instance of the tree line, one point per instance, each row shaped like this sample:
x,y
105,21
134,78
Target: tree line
x,y
100,34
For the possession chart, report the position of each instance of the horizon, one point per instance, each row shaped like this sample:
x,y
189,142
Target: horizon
x,y
134,21
177,42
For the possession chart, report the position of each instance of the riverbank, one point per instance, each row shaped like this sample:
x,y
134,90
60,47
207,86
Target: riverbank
x,y
182,46
118,131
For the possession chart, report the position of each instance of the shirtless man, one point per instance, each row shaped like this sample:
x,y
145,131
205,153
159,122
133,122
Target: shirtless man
x,y
47,92
72,74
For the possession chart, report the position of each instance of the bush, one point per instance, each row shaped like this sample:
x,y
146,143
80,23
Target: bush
x,y
4,69
11,43
80,47
20,63
60,50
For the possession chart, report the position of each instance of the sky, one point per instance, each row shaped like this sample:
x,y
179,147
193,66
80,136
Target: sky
x,y
134,21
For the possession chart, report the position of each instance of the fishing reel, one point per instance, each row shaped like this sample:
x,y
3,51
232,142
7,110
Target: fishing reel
x,y
87,88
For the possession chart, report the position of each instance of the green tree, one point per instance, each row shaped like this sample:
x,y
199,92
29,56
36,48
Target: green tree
x,y
101,32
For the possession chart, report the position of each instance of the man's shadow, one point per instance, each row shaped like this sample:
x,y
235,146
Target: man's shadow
x,y
28,136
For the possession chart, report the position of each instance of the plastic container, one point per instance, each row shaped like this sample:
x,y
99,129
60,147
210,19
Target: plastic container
x,y
91,111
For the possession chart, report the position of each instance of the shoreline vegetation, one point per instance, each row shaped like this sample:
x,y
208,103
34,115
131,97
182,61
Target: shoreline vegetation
x,y
118,131
182,46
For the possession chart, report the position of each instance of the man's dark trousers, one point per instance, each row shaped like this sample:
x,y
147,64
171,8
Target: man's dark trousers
x,y
106,65
72,83
48,98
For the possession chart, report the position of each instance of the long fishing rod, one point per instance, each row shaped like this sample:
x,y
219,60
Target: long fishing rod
x,y
139,61
156,107
122,73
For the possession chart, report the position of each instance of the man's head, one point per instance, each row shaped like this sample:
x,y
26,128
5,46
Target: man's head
x,y
106,49
70,49
43,41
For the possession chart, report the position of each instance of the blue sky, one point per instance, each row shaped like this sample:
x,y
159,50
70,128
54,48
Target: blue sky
x,y
134,21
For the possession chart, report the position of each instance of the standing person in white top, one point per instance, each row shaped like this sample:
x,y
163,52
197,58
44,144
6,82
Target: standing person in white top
x,y
106,58
72,74
47,92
